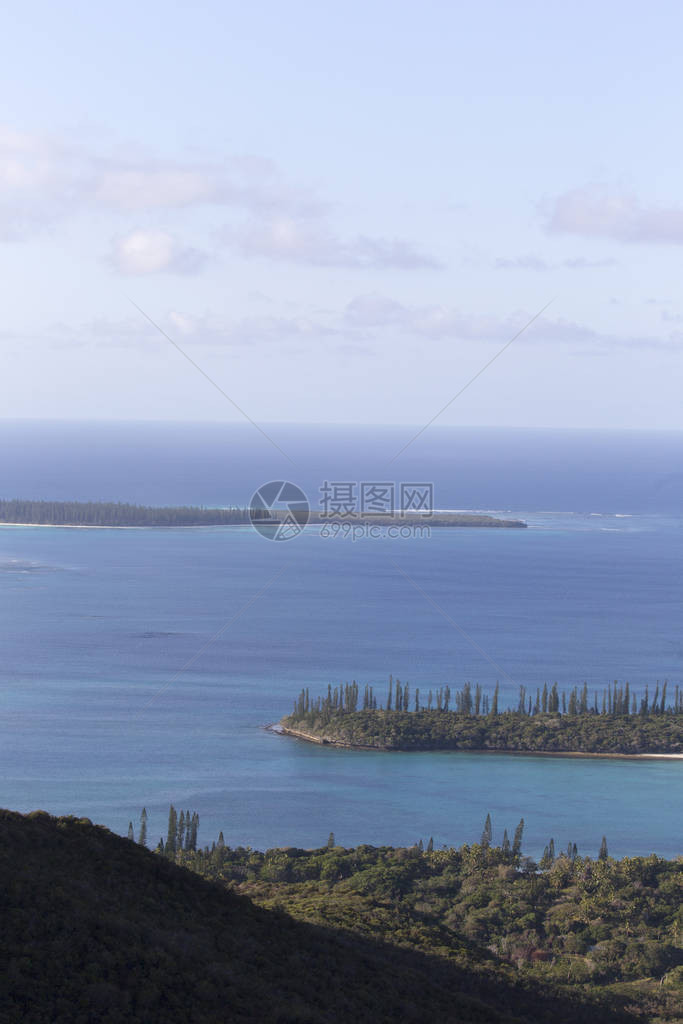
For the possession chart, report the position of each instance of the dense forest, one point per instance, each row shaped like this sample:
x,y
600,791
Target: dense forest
x,y
606,929
109,513
613,721
98,928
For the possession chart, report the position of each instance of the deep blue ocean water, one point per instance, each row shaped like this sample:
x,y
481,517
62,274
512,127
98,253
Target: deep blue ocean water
x,y
101,712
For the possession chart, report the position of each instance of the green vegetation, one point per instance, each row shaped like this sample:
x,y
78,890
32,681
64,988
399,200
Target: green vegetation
x,y
613,722
109,513
96,928
598,928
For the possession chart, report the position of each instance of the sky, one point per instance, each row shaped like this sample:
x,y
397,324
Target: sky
x,y
342,213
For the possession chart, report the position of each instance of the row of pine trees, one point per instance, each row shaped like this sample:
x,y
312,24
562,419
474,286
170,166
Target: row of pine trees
x,y
115,513
514,848
616,700
182,835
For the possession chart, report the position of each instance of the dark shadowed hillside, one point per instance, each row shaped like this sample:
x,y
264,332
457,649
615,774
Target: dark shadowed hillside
x,y
96,928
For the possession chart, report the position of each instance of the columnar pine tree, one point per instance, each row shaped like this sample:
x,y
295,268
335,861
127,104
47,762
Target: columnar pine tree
x,y
171,836
517,840
142,834
487,834
192,838
131,834
602,855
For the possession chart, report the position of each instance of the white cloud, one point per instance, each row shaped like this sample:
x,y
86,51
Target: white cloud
x,y
43,179
218,331
376,313
532,262
597,211
363,327
37,183
136,188
433,321
191,331
310,241
250,183
375,310
152,252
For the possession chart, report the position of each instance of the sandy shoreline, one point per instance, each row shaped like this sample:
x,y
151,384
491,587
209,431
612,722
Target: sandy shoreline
x,y
281,730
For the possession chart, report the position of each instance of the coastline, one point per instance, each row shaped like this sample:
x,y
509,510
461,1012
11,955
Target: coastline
x,y
488,524
281,730
93,526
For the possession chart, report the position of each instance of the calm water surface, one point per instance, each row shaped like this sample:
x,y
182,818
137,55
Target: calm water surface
x,y
101,712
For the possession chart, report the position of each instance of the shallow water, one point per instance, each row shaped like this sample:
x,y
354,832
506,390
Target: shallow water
x,y
99,714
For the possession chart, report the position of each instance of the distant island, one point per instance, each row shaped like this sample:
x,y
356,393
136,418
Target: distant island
x,y
21,512
612,723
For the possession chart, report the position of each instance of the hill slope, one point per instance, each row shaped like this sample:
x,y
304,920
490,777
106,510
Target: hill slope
x,y
96,928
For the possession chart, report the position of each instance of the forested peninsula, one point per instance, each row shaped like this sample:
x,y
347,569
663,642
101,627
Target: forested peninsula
x,y
613,722
120,514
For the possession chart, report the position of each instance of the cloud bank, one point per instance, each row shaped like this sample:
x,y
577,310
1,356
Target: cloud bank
x,y
364,327
312,242
597,211
44,181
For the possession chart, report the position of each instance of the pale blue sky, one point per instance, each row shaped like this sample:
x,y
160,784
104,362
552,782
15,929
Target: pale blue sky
x,y
342,212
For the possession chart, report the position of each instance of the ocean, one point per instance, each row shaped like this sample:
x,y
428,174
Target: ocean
x,y
140,667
